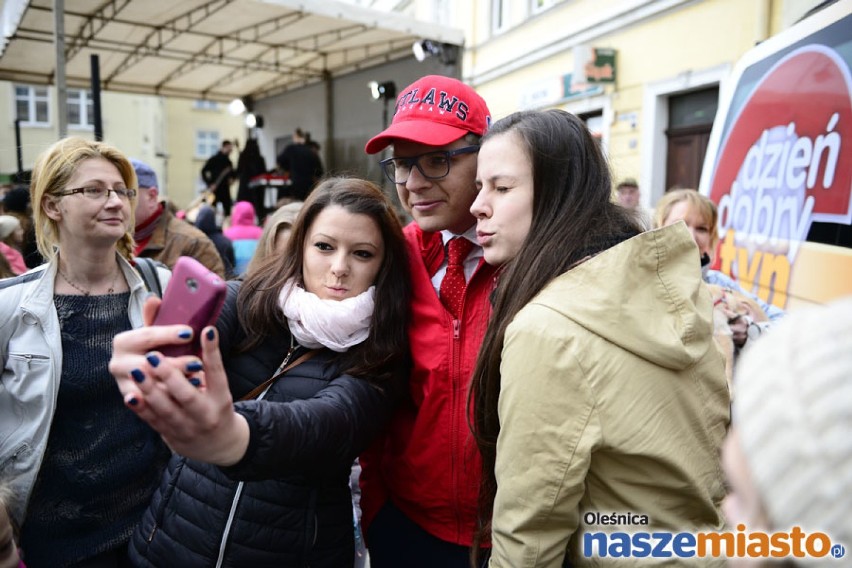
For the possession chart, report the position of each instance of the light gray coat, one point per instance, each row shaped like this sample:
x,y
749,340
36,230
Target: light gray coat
x,y
30,352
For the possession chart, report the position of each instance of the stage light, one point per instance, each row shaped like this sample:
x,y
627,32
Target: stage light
x,y
385,91
236,107
254,120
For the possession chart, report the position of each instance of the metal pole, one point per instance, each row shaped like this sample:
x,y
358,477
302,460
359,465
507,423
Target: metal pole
x,y
330,159
61,88
96,97
18,147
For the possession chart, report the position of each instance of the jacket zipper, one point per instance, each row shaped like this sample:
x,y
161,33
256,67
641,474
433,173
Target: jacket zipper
x,y
238,493
223,543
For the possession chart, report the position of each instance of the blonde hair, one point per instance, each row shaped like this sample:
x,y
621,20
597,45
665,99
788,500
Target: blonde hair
x,y
283,218
53,170
700,203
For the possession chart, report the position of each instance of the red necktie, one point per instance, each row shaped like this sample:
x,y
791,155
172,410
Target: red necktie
x,y
453,284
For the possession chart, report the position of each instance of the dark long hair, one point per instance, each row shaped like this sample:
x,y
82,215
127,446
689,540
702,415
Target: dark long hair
x,y
386,349
572,219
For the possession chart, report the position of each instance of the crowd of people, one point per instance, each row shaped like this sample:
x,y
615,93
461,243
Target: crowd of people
x,y
533,350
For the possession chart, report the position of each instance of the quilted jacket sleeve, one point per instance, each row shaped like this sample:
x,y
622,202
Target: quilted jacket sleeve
x,y
312,435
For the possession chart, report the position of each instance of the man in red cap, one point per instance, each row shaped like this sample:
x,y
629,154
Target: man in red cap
x,y
420,482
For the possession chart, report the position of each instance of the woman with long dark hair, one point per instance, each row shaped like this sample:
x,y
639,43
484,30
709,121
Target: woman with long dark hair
x,y
265,482
598,387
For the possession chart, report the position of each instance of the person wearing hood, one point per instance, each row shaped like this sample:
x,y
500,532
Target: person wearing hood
x,y
205,221
598,387
244,233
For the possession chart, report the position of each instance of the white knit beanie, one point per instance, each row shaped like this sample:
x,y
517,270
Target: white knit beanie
x,y
8,224
793,412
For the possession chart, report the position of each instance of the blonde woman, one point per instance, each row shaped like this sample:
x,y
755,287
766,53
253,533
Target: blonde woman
x,y
701,216
82,466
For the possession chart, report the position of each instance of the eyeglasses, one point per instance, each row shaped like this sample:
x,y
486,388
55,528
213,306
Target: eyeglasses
x,y
431,165
96,193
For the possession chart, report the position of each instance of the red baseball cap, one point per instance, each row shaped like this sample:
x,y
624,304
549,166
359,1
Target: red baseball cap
x,y
434,111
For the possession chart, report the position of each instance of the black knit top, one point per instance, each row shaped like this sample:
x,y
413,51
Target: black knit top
x,y
102,463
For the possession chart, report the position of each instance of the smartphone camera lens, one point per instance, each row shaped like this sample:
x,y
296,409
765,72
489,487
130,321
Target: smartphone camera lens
x,y
192,284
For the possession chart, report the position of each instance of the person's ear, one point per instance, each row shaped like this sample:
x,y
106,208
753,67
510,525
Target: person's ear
x,y
50,206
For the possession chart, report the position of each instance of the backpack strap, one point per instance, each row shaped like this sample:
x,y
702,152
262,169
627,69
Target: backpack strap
x,y
147,269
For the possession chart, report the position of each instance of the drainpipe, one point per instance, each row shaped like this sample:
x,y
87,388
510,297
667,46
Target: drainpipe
x,y
763,23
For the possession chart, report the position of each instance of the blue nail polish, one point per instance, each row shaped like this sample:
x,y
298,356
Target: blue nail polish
x,y
194,366
137,375
185,334
210,334
133,401
195,381
153,360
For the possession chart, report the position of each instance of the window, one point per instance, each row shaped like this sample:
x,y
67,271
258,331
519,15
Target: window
x,y
81,109
499,15
32,105
206,143
203,104
442,12
541,5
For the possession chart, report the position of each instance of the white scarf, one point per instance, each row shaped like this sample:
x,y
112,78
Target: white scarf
x,y
336,324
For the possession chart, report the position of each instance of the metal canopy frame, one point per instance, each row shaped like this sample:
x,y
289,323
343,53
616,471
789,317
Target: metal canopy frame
x,y
205,49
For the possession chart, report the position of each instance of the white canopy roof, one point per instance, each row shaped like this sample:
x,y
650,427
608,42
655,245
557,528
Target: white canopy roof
x,y
205,49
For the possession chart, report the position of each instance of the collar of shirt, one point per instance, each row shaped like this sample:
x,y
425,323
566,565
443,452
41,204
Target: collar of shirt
x,y
470,263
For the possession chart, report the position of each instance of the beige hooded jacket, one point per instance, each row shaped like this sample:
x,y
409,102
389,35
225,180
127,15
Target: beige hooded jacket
x,y
613,400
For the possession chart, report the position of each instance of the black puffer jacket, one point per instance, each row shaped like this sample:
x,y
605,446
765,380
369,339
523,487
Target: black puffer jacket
x,y
295,507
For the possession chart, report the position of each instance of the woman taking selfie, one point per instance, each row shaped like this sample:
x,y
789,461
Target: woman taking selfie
x,y
265,482
598,387
81,467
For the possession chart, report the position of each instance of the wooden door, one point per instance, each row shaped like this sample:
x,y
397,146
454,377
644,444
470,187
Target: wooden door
x,y
685,156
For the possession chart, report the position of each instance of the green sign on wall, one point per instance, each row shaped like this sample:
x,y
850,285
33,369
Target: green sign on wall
x,y
601,67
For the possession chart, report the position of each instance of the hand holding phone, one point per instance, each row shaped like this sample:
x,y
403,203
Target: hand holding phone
x,y
193,297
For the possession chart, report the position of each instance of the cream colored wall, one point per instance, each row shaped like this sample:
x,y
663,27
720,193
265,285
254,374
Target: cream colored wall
x,y
144,127
183,170
663,46
131,123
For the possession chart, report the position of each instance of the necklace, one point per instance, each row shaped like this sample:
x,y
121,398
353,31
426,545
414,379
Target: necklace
x,y
111,289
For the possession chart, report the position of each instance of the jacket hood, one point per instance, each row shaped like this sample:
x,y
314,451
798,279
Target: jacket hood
x,y
644,295
242,214
206,220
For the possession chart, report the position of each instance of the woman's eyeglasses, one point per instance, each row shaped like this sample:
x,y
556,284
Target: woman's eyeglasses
x,y
96,193
431,165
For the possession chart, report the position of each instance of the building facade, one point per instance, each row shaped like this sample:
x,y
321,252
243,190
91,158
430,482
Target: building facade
x,y
174,136
644,74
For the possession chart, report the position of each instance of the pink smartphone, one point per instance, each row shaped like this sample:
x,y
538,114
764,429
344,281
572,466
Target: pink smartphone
x,y
194,297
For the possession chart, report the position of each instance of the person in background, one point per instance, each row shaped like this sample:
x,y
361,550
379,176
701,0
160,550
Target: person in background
x,y
301,164
419,485
205,221
162,236
264,482
244,234
80,466
276,233
218,173
5,268
700,215
16,202
9,555
249,164
628,196
788,455
11,239
598,387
